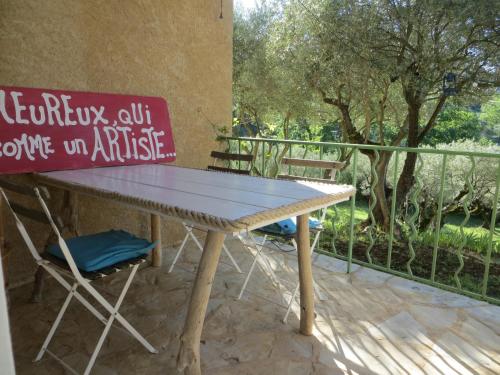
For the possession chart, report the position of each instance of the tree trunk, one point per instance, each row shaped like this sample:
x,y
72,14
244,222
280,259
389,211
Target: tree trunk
x,y
406,178
381,211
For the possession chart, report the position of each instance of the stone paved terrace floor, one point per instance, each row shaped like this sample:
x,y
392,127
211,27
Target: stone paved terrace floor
x,y
372,323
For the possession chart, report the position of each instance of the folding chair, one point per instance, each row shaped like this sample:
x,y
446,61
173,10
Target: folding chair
x,y
286,229
66,258
228,158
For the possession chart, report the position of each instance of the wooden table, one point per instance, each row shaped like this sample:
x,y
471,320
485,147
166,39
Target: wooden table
x,y
219,202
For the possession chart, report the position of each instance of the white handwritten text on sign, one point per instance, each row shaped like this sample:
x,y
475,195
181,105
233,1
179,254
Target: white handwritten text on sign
x,y
42,130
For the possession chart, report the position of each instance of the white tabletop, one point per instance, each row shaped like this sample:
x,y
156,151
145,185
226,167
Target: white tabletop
x,y
220,201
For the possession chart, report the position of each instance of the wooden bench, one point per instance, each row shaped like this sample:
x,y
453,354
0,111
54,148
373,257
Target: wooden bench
x,y
330,169
228,158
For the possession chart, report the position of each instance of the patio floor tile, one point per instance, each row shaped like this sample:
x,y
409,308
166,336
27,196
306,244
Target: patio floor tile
x,y
370,323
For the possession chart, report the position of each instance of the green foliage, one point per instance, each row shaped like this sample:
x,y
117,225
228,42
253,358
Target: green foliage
x,y
490,111
265,92
454,123
374,57
483,179
490,116
373,69
477,239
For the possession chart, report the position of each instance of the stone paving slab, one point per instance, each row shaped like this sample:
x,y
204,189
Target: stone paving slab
x,y
371,323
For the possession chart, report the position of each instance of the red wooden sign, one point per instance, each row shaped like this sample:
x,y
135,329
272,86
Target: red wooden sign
x,y
44,130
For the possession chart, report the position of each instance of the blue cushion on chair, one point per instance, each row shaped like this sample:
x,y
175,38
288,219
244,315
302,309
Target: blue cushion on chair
x,y
101,250
288,227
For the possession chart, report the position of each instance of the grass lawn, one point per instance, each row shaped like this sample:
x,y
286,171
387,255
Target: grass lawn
x,y
476,236
472,228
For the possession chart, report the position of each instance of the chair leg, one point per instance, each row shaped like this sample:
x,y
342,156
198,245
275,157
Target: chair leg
x,y
115,315
195,239
294,294
111,310
226,250
178,252
36,294
200,246
259,248
189,233
78,296
315,285
266,262
56,322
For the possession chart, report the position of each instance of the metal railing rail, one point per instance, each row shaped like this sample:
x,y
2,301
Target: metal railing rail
x,y
267,163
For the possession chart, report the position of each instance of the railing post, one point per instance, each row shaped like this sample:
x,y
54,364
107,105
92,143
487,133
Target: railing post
x,y
487,261
393,210
254,155
371,206
321,158
353,208
239,153
438,219
263,155
465,204
414,216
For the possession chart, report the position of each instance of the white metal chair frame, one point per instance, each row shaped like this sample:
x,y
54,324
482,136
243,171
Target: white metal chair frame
x,y
332,166
189,230
258,247
79,280
258,254
190,234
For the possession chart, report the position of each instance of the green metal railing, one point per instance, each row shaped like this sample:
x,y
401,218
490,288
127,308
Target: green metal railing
x,y
465,261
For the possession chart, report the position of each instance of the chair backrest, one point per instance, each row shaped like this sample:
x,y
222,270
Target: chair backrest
x,y
20,208
44,216
228,158
330,169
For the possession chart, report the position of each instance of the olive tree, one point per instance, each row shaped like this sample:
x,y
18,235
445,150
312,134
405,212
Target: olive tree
x,y
382,62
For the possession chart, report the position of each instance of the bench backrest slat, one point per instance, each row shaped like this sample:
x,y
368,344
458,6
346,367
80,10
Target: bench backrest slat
x,y
228,170
22,189
22,208
324,164
300,178
29,213
230,156
330,167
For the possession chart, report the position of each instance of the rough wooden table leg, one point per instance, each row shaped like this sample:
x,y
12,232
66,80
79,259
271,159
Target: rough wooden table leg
x,y
188,359
305,276
156,236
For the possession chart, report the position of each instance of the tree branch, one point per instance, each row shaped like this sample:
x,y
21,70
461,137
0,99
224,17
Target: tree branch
x,y
432,120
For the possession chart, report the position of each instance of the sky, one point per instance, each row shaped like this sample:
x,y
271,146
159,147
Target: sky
x,y
246,4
